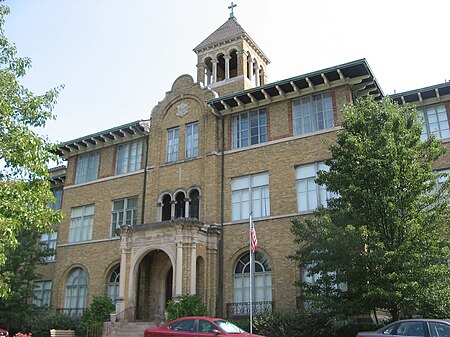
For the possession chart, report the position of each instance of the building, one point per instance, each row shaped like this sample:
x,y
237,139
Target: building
x,y
158,208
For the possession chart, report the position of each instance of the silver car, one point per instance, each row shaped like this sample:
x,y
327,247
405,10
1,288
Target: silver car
x,y
412,328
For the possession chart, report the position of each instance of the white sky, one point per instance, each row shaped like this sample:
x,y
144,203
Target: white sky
x,y
118,58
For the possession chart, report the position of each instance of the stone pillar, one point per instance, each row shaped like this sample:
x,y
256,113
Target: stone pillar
x,y
241,63
214,63
193,286
257,74
250,68
124,268
172,209
201,72
179,270
227,66
186,207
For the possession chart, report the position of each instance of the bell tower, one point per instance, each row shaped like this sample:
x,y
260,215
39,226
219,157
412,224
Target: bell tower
x,y
229,60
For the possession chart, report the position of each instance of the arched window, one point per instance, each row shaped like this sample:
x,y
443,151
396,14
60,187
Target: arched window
x,y
208,71
76,292
166,208
233,64
262,282
194,207
180,205
113,284
220,68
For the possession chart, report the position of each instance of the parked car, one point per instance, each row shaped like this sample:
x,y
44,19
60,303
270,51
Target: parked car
x,y
412,327
4,333
201,326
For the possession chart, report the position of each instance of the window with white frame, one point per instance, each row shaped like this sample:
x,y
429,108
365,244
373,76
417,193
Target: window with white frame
x,y
57,194
312,113
48,241
173,136
192,140
87,167
42,293
250,128
309,194
124,213
81,222
75,299
250,194
113,284
128,157
262,281
435,122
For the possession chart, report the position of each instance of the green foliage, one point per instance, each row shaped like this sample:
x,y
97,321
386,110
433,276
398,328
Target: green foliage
x,y
385,234
41,324
188,305
295,324
24,154
97,313
19,270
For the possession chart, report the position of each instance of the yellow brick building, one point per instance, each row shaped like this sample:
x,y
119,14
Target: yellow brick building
x,y
158,208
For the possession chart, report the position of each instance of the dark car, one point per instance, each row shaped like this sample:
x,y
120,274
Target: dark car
x,y
4,333
197,326
412,328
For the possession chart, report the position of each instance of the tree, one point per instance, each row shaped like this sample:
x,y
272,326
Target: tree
x,y
24,154
383,241
20,270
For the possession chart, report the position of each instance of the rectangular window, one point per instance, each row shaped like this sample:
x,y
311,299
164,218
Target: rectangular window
x,y
435,122
87,167
309,194
250,128
172,144
124,213
312,113
81,223
57,193
42,293
48,241
128,158
192,140
250,194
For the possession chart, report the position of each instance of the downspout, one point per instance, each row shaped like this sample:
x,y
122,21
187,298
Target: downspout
x,y
144,188
222,203
220,299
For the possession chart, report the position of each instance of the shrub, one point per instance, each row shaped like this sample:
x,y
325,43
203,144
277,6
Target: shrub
x,y
97,313
294,324
40,324
188,305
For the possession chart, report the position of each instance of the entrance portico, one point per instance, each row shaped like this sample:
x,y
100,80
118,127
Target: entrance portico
x,y
163,261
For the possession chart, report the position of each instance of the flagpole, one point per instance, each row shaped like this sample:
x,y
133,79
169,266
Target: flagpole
x,y
251,273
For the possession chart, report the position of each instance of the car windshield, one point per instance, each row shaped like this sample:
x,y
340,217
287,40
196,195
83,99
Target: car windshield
x,y
228,327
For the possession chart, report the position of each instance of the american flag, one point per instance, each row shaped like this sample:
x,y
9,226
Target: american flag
x,y
253,239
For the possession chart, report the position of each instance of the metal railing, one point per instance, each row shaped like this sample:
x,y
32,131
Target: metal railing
x,y
74,312
242,309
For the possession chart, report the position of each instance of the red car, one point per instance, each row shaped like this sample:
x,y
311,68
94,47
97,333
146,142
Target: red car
x,y
197,326
4,333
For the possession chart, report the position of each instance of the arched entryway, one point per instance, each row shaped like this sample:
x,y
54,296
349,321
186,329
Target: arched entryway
x,y
154,285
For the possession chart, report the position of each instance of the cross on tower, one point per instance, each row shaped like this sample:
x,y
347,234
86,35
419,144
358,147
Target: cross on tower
x,y
231,7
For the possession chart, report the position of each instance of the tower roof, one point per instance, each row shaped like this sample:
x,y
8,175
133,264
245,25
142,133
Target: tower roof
x,y
229,31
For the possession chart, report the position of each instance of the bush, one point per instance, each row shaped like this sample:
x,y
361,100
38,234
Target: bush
x,y
97,313
295,324
188,305
39,325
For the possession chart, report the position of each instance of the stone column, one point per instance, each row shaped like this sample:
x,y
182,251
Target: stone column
x,y
227,66
186,207
193,286
201,72
257,74
172,208
123,278
250,68
214,63
179,270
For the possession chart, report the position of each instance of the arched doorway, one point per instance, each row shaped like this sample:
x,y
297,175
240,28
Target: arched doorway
x,y
154,285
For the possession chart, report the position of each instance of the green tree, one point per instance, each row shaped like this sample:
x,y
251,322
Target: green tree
x,y
383,240
20,270
24,154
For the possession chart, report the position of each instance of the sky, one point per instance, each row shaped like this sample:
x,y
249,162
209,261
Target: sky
x,y
117,59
